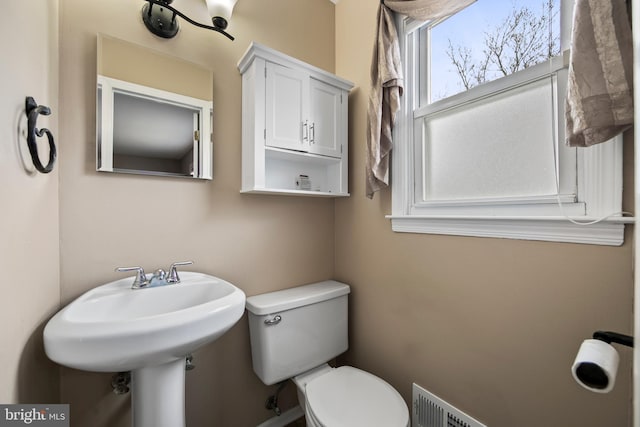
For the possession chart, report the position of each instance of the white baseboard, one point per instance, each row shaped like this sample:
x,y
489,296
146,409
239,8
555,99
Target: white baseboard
x,y
285,418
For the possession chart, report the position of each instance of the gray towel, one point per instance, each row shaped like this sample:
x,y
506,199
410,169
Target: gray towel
x,y
386,81
599,102
384,101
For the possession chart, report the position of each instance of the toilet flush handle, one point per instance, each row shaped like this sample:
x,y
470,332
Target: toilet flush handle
x,y
271,322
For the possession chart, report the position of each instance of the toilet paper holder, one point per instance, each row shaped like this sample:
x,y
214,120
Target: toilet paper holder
x,y
614,337
596,363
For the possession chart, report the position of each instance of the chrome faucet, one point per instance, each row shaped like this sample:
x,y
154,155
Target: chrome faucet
x,y
159,277
141,279
173,271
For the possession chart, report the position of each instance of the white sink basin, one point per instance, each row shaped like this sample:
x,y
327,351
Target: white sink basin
x,y
115,328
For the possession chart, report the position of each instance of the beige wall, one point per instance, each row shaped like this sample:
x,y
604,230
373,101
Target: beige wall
x,y
138,64
490,325
29,254
259,243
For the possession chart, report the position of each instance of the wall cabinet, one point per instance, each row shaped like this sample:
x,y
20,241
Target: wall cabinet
x,y
294,126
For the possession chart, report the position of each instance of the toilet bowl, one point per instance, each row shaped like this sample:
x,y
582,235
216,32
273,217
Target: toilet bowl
x,y
349,397
294,333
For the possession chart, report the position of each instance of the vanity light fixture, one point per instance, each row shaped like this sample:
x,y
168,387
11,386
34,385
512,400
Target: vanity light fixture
x,y
160,17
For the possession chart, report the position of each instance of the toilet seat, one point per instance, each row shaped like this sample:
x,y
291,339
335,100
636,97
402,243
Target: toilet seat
x,y
350,397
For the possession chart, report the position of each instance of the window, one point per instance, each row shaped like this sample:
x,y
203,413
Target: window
x,y
480,139
489,40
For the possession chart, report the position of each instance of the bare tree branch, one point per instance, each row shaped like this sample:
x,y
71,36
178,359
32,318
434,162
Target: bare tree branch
x,y
524,38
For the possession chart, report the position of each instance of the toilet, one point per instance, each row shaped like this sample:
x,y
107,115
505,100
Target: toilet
x,y
294,333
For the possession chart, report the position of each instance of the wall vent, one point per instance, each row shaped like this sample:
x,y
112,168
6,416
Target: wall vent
x,y
431,411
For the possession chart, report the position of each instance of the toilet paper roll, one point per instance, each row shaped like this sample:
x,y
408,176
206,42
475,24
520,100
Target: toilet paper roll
x,y
596,366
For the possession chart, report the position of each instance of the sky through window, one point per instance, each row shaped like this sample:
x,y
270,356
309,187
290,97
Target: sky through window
x,y
489,29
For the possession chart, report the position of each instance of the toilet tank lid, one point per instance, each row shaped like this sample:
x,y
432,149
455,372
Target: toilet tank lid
x,y
286,299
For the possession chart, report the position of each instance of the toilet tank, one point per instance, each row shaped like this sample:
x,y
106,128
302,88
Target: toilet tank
x,y
297,329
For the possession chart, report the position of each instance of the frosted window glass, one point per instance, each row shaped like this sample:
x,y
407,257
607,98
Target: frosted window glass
x,y
501,146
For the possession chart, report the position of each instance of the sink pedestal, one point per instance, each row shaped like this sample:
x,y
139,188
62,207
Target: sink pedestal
x,y
157,395
113,328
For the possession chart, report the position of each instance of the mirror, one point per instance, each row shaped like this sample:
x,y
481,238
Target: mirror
x,y
154,112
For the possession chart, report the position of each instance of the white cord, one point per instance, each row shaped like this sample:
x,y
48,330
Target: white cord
x,y
557,177
573,221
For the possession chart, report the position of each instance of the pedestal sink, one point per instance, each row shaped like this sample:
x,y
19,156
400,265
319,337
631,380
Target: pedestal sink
x,y
114,328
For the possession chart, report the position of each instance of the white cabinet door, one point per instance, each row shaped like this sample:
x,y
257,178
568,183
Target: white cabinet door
x,y
326,115
287,92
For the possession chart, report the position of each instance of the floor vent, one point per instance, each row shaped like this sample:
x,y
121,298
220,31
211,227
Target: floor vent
x,y
431,411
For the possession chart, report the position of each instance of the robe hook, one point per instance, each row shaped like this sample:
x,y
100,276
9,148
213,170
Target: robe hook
x,y
33,110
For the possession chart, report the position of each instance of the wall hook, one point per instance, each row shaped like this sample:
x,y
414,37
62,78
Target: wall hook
x,y
33,110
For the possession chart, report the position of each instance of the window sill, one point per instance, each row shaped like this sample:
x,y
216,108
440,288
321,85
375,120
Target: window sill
x,y
609,232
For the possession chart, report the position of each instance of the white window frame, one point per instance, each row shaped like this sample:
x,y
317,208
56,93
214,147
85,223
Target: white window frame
x,y
598,175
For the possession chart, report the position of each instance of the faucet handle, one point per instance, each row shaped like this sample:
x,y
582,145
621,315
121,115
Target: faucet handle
x,y
141,278
173,271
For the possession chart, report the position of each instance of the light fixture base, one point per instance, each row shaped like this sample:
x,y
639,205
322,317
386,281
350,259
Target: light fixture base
x,y
219,22
160,20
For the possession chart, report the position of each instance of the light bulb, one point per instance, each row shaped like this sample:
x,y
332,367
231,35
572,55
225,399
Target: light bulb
x,y
220,11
